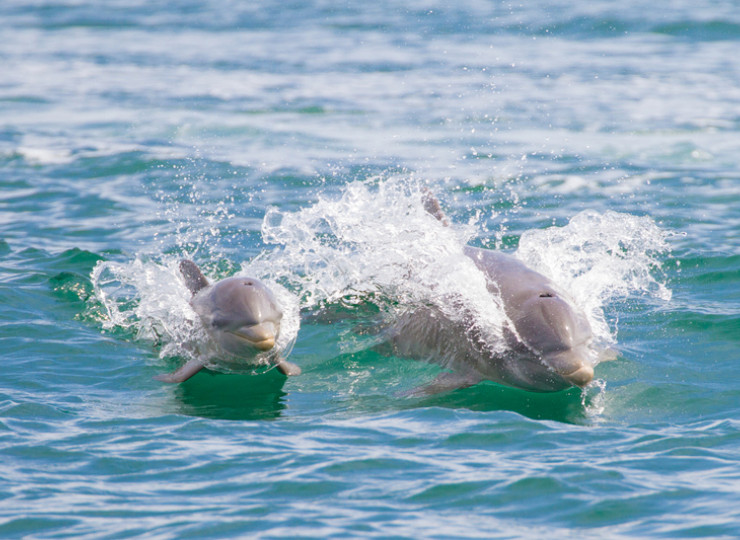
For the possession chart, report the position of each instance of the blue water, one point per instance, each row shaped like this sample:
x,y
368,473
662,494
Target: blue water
x,y
598,141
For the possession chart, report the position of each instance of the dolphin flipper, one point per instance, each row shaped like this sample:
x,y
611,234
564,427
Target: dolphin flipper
x,y
444,382
288,368
194,278
183,374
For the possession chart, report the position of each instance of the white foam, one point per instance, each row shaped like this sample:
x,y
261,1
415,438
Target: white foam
x,y
45,156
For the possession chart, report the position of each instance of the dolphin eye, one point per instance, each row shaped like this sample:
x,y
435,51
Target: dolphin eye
x,y
546,295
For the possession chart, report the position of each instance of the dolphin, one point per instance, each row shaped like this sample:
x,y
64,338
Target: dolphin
x,y
548,348
240,314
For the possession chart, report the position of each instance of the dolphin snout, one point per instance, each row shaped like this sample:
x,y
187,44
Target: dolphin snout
x,y
572,366
262,336
580,377
265,344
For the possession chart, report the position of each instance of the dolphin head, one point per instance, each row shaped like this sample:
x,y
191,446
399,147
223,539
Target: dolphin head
x,y
242,314
558,336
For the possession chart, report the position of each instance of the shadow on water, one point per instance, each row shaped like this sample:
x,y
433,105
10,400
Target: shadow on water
x,y
368,383
233,396
566,406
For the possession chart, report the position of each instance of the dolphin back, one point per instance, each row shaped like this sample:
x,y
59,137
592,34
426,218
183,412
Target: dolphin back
x,y
194,278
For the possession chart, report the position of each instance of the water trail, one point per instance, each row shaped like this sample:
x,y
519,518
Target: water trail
x,y
593,398
376,243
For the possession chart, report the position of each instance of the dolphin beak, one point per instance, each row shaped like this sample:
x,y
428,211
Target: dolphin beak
x,y
265,344
572,366
262,336
580,377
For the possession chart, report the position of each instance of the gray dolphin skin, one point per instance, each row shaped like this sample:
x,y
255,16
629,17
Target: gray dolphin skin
x,y
548,349
241,315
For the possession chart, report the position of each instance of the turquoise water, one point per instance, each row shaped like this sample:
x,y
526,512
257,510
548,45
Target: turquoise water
x,y
597,141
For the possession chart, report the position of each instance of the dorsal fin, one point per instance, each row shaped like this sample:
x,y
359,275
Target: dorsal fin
x,y
194,278
431,205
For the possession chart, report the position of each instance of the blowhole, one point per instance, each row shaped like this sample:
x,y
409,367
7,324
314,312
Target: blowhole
x,y
546,295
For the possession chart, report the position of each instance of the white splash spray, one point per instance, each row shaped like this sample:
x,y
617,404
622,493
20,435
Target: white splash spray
x,y
599,257
376,241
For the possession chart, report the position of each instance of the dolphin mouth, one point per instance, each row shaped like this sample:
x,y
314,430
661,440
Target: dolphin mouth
x,y
580,377
572,367
261,336
265,344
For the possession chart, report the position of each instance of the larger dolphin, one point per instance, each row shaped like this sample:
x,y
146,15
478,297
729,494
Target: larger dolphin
x,y
548,346
240,314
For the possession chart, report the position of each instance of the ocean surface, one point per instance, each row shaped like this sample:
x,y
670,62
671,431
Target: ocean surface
x,y
598,142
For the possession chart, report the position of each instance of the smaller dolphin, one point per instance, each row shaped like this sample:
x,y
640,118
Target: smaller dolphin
x,y
240,314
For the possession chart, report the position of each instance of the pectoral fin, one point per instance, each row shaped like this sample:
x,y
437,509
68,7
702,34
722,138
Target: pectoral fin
x,y
444,382
288,368
183,374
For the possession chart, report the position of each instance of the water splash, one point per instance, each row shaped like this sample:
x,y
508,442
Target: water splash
x,y
598,258
376,243
593,399
199,211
